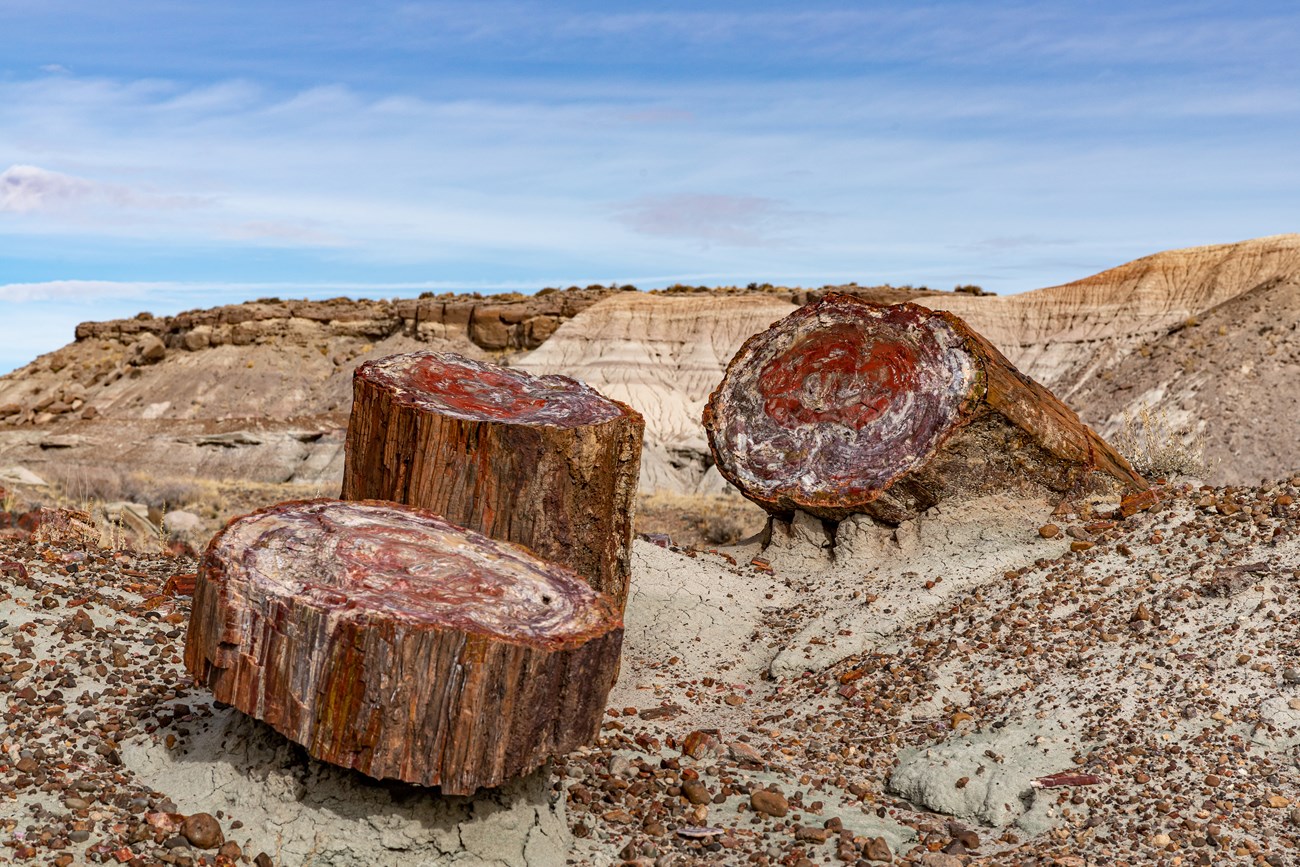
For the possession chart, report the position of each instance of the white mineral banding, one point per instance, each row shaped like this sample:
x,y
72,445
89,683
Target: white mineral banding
x,y
385,639
846,406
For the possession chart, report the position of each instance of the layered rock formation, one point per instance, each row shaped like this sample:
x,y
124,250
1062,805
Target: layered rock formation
x,y
1064,336
257,391
1088,341
261,390
662,355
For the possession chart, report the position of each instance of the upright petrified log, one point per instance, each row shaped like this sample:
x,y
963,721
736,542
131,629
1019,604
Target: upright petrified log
x,y
382,638
547,461
849,407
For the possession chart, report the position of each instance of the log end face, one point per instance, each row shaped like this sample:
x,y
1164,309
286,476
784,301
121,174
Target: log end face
x,y
449,384
825,409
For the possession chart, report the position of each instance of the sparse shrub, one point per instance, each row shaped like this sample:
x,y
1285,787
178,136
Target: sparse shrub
x,y
971,289
699,520
725,528
1157,448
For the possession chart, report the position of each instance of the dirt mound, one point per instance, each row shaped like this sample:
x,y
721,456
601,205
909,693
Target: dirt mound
x,y
1226,376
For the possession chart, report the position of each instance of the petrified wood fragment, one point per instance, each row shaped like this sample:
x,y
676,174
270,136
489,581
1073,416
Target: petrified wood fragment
x,y
383,638
544,461
848,407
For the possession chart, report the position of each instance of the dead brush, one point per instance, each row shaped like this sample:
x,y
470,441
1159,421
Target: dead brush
x,y
1157,447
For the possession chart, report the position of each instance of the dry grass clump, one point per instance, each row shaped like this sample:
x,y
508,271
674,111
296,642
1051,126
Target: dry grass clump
x,y
699,520
79,484
1159,449
103,495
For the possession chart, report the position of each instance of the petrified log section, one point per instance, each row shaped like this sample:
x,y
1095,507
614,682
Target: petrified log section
x,y
848,407
385,639
544,461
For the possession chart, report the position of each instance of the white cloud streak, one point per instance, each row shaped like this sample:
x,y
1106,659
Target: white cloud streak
x,y
30,189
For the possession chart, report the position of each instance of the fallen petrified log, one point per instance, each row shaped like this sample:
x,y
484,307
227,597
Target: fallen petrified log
x,y
544,461
847,407
382,638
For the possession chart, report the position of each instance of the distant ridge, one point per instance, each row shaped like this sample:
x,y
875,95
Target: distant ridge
x,y
261,390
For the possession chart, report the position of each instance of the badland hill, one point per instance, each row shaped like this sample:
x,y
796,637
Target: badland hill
x,y
260,391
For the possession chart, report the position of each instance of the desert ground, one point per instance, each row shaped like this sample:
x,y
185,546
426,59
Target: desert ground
x,y
958,690
1001,680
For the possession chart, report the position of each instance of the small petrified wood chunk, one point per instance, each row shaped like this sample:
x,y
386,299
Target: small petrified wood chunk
x,y
544,461
849,407
382,638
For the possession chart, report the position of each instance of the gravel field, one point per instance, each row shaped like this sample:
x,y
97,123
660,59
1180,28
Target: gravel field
x,y
990,685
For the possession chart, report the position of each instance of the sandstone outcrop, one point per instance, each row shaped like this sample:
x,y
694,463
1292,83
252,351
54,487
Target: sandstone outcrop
x,y
491,323
257,391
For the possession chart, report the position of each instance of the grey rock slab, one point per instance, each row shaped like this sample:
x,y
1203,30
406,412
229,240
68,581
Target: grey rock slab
x,y
986,776
332,817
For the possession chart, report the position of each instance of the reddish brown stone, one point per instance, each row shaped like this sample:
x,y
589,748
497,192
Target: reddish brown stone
x,y
383,638
1131,504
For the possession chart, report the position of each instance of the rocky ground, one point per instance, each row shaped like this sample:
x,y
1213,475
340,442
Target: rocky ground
x,y
990,685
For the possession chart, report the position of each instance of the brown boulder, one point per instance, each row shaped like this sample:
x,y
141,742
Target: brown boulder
x,y
203,831
489,332
149,349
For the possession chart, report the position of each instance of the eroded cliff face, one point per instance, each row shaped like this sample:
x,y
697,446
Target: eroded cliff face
x,y
663,355
257,391
1064,336
261,391
263,359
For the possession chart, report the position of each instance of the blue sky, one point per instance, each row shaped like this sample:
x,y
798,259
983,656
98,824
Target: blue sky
x,y
168,155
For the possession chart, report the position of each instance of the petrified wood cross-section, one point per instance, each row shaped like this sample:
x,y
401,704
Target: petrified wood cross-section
x,y
382,638
544,461
849,407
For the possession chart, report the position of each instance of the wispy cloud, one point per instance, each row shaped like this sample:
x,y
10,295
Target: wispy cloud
x,y
75,290
737,221
30,189
1017,242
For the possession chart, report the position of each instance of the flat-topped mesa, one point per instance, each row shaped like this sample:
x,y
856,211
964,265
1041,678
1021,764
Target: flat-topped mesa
x,y
848,407
385,639
544,461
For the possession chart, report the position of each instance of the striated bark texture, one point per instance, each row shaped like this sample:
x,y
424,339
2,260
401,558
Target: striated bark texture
x,y
543,461
382,638
849,407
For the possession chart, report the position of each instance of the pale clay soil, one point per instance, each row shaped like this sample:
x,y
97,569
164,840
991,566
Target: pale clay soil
x,y
877,696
